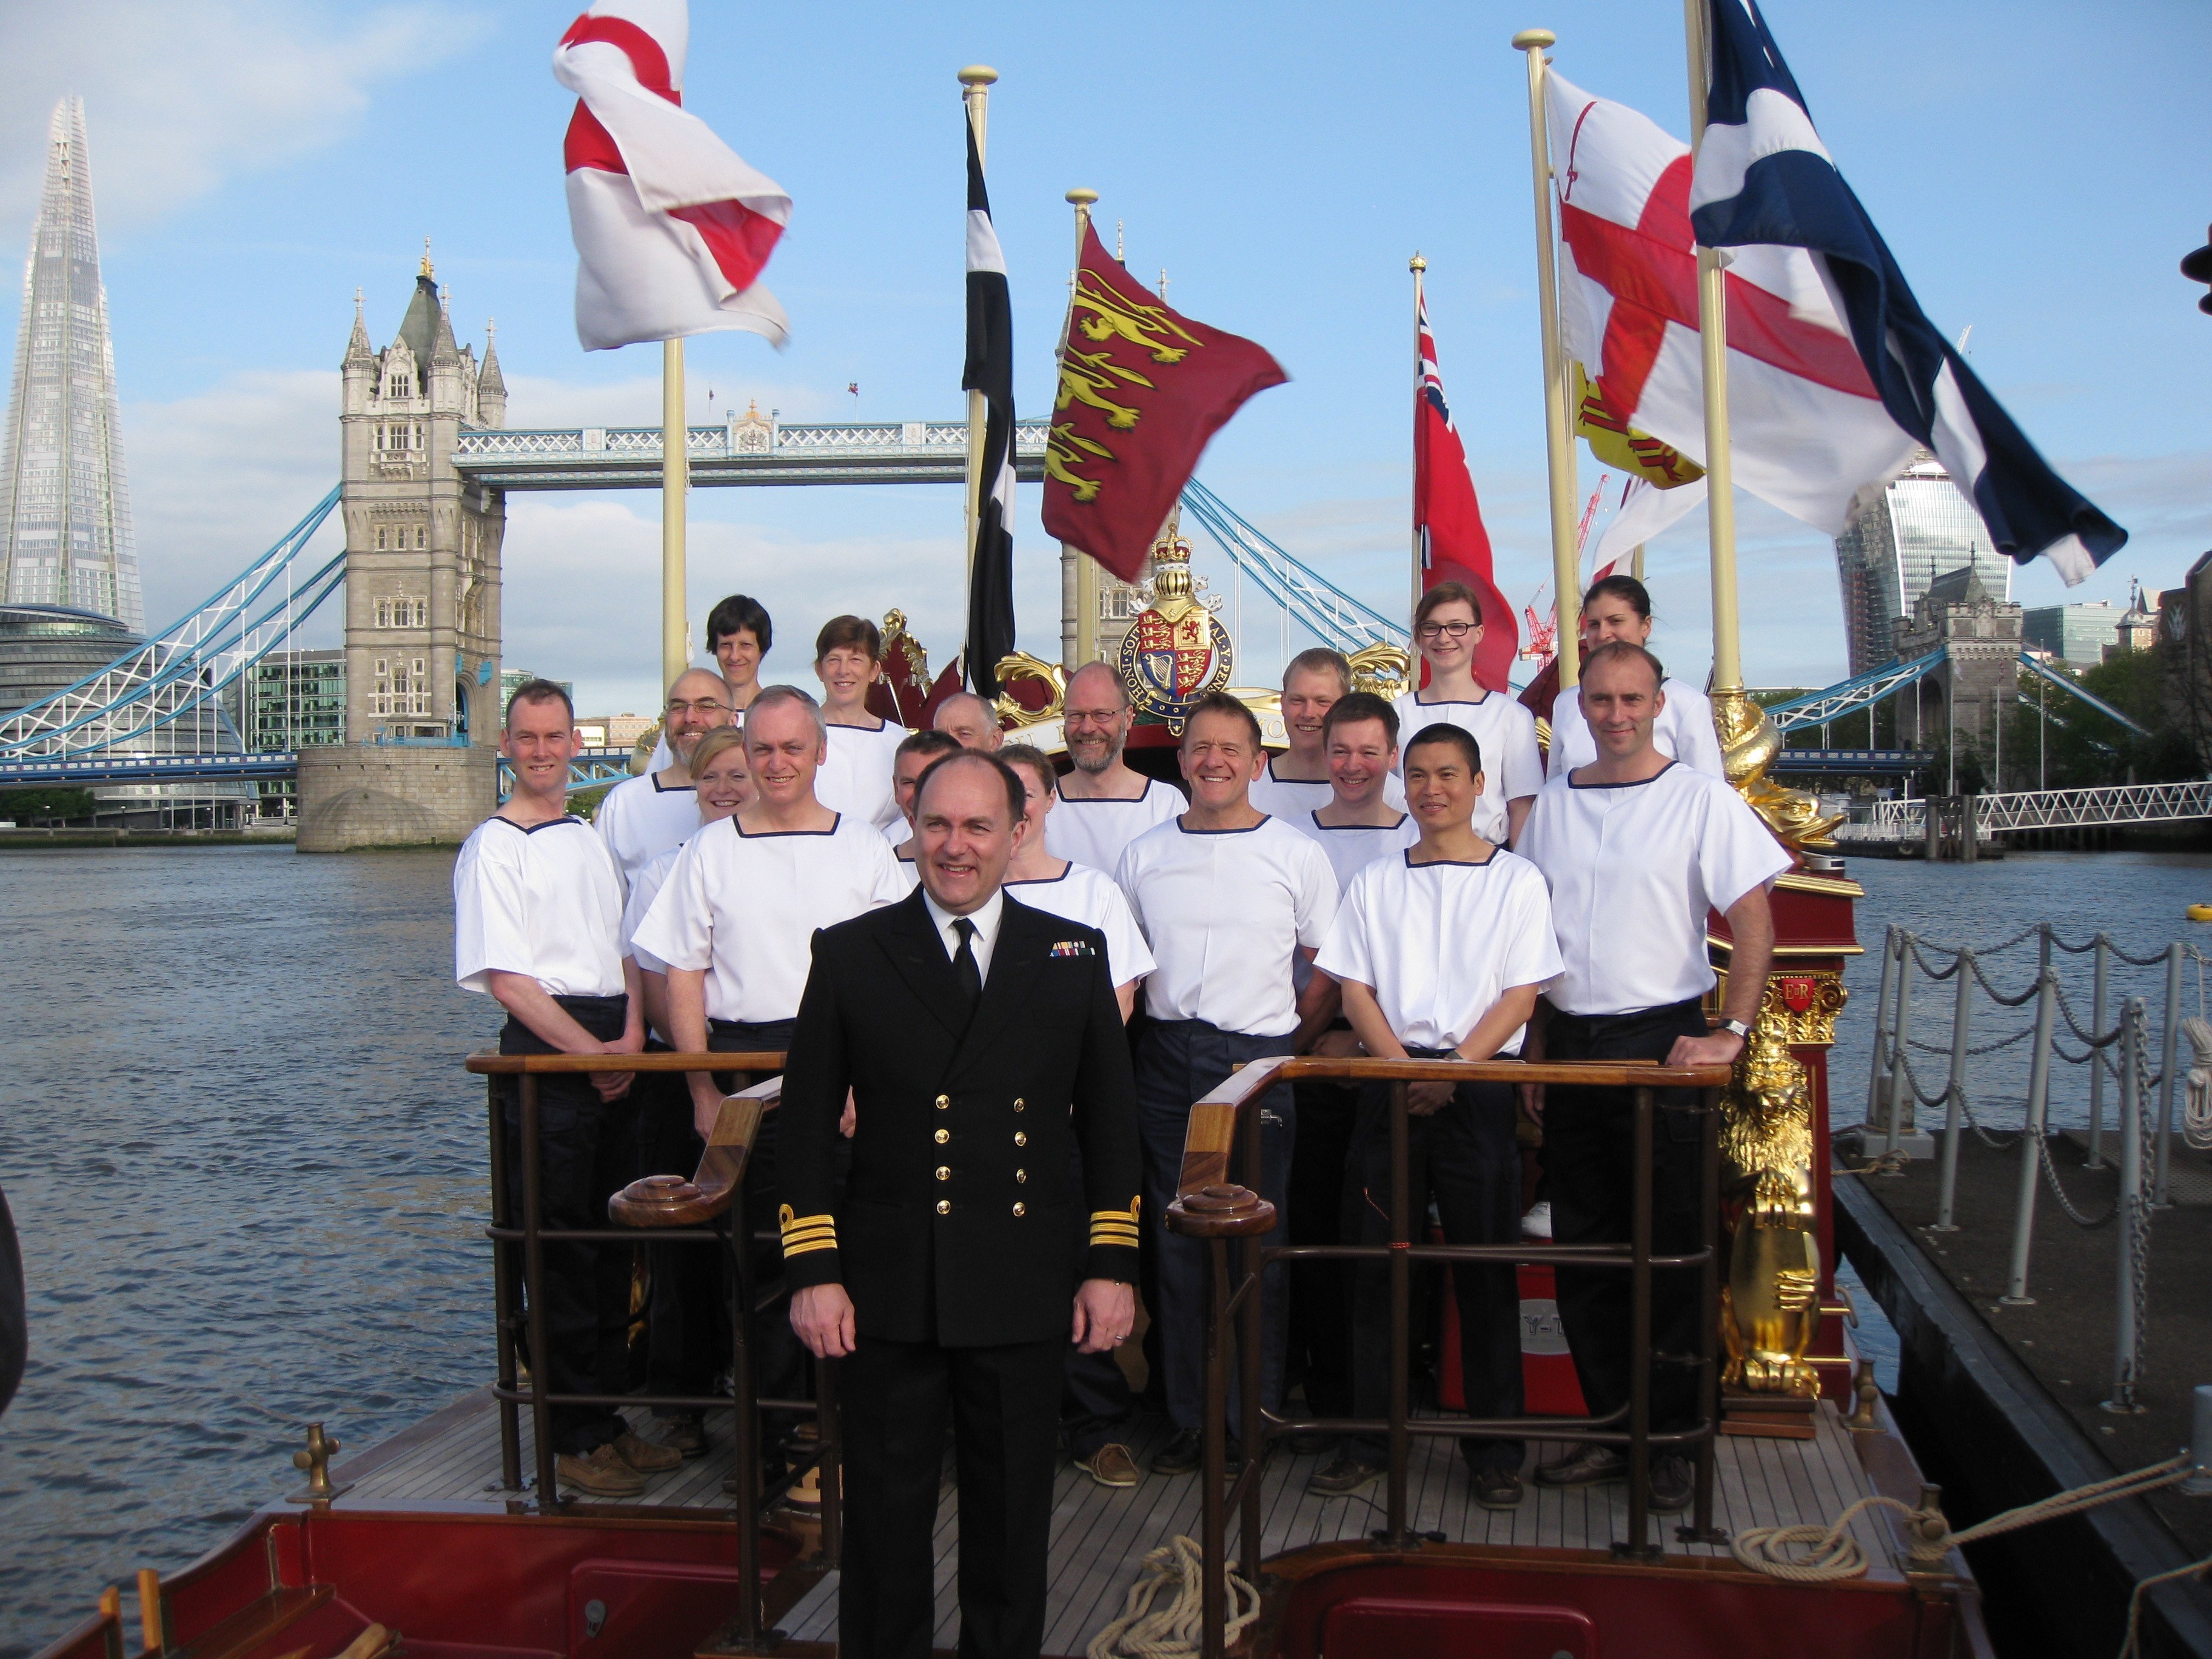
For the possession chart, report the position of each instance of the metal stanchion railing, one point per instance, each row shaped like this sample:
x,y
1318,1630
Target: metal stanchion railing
x,y
2168,1068
2030,1141
2128,1339
1954,1095
1900,1076
1877,1075
2101,958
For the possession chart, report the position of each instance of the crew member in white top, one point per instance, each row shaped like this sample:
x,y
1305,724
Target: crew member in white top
x,y
739,634
1357,824
1638,849
641,818
1446,627
970,722
1109,804
917,752
735,924
856,777
1619,607
1297,782
1227,898
687,1326
1098,1409
536,925
1439,951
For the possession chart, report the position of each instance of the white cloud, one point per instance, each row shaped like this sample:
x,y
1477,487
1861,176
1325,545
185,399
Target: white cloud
x,y
177,97
536,400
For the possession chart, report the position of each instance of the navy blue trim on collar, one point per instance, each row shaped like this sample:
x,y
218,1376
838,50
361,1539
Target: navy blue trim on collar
x,y
1151,784
533,829
1265,818
835,819
1315,815
660,788
1636,783
1419,702
1454,864
1043,881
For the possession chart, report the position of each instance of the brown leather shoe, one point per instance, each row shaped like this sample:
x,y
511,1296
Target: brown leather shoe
x,y
687,1434
601,1474
644,1456
1110,1466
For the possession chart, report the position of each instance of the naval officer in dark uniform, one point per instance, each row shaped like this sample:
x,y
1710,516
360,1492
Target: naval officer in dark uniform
x,y
989,1218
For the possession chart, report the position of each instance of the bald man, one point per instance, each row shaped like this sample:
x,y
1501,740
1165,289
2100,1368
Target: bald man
x,y
969,720
643,817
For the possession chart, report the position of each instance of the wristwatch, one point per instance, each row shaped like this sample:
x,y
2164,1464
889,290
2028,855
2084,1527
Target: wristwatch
x,y
1738,1027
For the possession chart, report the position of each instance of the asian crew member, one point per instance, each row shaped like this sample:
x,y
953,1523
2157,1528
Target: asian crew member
x,y
1637,847
1447,629
1297,781
642,817
687,1324
856,777
1104,802
1439,950
1619,607
735,924
1100,1409
537,925
1228,898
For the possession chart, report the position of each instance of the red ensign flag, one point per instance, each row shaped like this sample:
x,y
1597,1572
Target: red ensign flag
x,y
1455,546
1142,387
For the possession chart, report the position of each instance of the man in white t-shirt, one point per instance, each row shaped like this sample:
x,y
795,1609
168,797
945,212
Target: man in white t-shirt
x,y
1356,824
536,925
1297,782
735,924
1107,803
1439,951
1228,898
1637,848
970,722
641,818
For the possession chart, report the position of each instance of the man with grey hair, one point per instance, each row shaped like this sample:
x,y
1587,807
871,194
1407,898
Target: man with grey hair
x,y
973,723
641,818
1110,803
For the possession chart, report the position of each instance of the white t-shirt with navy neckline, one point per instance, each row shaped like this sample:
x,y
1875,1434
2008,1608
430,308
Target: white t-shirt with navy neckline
x,y
1505,733
641,818
1082,894
856,773
1684,731
1352,847
1291,798
1096,833
544,900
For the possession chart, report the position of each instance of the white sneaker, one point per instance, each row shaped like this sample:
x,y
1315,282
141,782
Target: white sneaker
x,y
1537,1223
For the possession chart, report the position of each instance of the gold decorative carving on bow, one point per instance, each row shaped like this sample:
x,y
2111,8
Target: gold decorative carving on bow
x,y
1770,1305
1384,669
1750,744
1017,666
901,645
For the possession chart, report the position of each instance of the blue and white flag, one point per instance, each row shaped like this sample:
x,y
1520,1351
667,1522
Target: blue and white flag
x,y
1763,176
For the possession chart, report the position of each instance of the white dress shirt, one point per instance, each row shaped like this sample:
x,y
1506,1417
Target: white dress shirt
x,y
986,917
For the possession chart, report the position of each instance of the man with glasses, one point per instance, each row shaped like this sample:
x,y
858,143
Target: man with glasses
x,y
1110,803
642,817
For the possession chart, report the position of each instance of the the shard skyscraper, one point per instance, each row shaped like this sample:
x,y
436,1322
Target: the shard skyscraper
x,y
64,510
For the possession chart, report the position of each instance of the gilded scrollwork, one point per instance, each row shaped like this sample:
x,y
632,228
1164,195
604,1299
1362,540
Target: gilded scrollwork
x,y
1017,667
1750,743
1770,1306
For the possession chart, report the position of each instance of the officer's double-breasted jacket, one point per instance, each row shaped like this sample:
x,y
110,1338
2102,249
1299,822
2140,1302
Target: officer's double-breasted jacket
x,y
968,1216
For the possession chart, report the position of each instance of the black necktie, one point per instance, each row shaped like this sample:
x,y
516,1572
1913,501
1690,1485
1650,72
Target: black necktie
x,y
965,973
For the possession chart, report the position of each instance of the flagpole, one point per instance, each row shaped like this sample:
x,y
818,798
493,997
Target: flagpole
x,y
1558,437
976,95
1712,341
1087,568
1417,265
675,474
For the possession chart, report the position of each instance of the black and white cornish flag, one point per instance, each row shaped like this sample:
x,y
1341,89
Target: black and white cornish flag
x,y
990,370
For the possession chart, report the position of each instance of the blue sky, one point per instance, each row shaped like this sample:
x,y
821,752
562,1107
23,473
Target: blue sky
x,y
2037,168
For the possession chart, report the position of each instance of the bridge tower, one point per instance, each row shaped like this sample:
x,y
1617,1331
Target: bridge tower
x,y
1979,634
422,590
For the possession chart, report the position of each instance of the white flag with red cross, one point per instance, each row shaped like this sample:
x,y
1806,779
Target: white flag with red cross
x,y
672,226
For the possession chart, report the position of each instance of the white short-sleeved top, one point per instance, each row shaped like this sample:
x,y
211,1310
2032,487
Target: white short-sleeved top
x,y
1294,797
855,778
745,908
1225,912
641,818
1512,764
546,901
1438,944
1683,730
1353,848
909,870
1633,869
1096,833
645,887
1090,896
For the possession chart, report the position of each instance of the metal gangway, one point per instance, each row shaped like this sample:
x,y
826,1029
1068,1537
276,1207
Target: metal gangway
x,y
1904,821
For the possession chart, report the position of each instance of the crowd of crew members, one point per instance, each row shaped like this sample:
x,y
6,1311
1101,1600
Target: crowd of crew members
x,y
1406,878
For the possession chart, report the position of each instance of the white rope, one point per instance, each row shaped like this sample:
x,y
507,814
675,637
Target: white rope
x,y
2197,1115
2128,1648
1176,1631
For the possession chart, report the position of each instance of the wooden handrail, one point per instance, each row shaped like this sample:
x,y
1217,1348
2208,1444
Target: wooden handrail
x,y
669,1200
491,1062
1212,1126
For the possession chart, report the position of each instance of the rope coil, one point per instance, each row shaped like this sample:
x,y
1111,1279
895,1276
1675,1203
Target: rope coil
x,y
1177,1630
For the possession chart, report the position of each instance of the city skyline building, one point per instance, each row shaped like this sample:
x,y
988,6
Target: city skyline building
x,y
2078,636
1907,532
65,535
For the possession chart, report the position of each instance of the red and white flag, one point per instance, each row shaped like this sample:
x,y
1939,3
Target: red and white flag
x,y
1808,428
1454,545
671,226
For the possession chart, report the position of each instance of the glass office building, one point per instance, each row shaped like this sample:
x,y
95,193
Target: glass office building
x,y
1913,529
2077,635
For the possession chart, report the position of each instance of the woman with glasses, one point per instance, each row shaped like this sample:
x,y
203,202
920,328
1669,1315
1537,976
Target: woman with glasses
x,y
1447,627
1619,607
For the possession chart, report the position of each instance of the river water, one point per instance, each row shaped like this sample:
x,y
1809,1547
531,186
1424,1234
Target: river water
x,y
248,1169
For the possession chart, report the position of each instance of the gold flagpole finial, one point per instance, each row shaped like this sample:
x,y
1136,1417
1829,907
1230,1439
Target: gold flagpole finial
x,y
1537,39
978,75
427,270
1080,199
1417,265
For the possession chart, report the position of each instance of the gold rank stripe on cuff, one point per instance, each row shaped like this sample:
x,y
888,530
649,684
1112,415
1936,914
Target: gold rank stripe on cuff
x,y
1116,1226
805,1233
